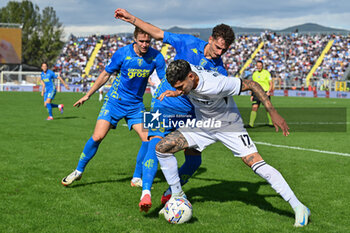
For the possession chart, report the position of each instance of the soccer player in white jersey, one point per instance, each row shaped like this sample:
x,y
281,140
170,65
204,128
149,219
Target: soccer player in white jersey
x,y
211,94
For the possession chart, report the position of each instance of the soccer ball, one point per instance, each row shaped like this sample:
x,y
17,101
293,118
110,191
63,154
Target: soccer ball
x,y
178,210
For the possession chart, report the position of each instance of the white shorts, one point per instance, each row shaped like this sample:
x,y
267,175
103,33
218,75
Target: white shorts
x,y
238,142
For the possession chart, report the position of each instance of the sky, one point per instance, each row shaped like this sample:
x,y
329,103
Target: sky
x,y
87,17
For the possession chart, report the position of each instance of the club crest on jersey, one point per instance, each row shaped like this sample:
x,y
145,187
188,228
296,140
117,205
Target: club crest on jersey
x,y
139,61
203,62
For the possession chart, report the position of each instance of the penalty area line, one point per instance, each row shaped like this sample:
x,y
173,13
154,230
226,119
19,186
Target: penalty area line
x,y
303,149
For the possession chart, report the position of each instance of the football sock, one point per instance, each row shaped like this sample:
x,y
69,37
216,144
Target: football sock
x,y
144,192
269,117
49,109
100,97
150,165
168,164
139,159
277,182
54,105
252,118
190,166
89,151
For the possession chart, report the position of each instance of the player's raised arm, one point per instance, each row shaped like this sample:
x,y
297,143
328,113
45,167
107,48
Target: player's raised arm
x,y
154,31
100,81
277,120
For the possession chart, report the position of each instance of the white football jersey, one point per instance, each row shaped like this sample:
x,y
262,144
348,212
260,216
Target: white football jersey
x,y
212,98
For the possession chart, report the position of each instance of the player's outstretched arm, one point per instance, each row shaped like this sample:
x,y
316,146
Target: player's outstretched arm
x,y
63,82
154,31
100,81
277,120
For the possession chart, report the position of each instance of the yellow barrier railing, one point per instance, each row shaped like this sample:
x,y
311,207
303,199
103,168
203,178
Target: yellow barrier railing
x,y
164,50
251,58
92,58
340,86
318,62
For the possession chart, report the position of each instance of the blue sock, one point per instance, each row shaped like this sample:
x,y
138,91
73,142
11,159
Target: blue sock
x,y
150,165
54,105
89,151
139,159
192,163
49,109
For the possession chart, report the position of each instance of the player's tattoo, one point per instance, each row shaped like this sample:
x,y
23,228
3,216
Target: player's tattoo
x,y
258,91
133,22
248,159
172,143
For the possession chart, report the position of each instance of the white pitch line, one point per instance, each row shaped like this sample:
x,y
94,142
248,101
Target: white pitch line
x,y
304,149
297,148
312,123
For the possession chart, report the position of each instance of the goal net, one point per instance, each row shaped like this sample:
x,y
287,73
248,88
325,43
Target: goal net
x,y
21,81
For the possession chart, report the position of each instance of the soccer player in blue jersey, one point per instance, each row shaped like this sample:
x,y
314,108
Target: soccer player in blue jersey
x,y
134,64
197,52
49,89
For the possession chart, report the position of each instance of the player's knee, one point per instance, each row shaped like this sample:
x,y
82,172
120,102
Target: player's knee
x,y
98,137
163,147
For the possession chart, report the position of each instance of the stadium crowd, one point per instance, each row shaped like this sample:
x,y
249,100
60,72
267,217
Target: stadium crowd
x,y
289,58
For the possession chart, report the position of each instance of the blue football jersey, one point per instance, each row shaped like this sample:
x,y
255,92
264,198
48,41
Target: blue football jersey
x,y
48,79
191,49
133,73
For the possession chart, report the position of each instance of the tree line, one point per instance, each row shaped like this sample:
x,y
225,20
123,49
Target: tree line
x,y
41,32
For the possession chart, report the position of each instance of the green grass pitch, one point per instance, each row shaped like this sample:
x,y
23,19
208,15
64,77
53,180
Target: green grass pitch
x,y
227,196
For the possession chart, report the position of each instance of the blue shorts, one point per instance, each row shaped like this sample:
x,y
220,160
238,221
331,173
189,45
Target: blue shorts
x,y
168,118
114,111
49,94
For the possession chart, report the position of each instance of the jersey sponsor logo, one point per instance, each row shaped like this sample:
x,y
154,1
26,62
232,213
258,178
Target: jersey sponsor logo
x,y
140,73
139,62
46,80
195,51
128,58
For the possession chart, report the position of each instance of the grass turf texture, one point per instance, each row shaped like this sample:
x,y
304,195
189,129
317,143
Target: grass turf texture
x,y
227,196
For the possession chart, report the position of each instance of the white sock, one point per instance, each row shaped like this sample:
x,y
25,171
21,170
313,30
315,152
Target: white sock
x,y
78,172
144,192
277,182
101,96
168,164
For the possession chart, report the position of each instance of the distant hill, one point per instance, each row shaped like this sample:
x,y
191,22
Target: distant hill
x,y
314,28
307,28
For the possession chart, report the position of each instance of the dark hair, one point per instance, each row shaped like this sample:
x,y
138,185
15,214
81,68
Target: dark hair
x,y
225,32
139,31
177,71
44,62
262,63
